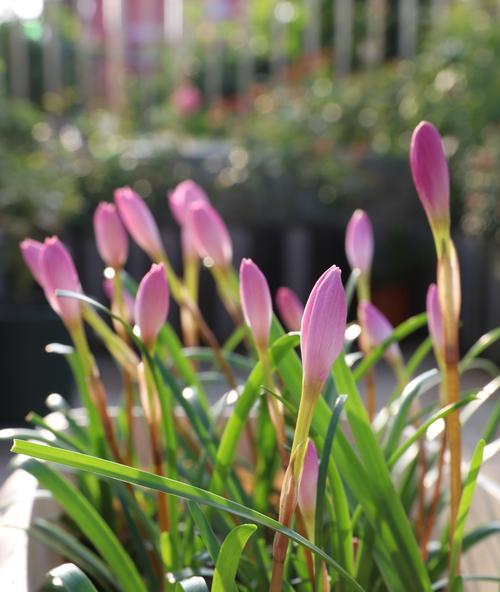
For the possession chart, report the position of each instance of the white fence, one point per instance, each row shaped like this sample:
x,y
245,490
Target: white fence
x,y
116,42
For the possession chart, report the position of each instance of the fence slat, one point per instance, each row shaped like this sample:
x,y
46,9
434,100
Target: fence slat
x,y
376,16
84,52
407,28
312,30
52,51
277,44
115,53
18,61
245,56
343,27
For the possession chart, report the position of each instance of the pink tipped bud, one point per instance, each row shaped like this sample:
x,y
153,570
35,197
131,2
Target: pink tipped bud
x,y
256,302
31,251
110,235
182,197
376,329
139,221
180,200
322,329
210,235
151,304
359,242
430,175
59,273
435,320
290,308
308,485
128,299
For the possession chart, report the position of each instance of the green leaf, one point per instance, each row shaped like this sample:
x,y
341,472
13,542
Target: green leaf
x,y
67,578
206,533
228,560
88,520
403,404
339,500
481,344
69,547
135,476
193,584
463,510
405,563
438,560
425,426
236,423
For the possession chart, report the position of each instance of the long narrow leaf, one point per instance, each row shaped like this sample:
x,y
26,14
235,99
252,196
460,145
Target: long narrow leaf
x,y
463,509
67,578
228,560
135,476
88,520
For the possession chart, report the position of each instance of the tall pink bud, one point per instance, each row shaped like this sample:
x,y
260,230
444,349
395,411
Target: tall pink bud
x,y
429,168
322,329
256,302
139,221
308,487
151,304
31,251
290,308
180,200
58,272
435,321
359,242
110,235
376,329
182,197
210,235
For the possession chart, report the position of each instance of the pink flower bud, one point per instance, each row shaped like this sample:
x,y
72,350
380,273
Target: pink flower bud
x,y
128,299
308,485
430,175
139,221
435,320
322,329
110,235
151,304
376,329
210,235
256,302
187,99
359,242
58,272
31,251
181,198
290,308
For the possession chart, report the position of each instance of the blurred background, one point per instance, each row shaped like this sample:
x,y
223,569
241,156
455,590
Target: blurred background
x,y
290,113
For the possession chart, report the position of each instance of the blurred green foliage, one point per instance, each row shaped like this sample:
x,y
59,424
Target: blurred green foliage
x,y
300,151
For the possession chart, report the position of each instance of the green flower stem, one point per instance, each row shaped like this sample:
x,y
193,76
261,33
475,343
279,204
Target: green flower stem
x,y
119,305
150,401
274,406
291,480
448,285
181,296
96,388
120,351
191,281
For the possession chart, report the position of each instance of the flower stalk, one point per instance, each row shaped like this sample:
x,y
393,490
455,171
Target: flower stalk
x,y
322,336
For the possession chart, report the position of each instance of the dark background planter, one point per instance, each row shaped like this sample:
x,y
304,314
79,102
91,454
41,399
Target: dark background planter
x,y
27,372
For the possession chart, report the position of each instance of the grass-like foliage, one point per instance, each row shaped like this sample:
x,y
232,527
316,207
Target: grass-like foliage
x,y
253,464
